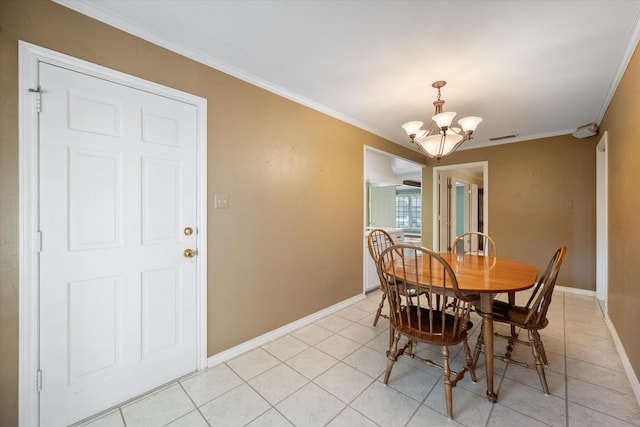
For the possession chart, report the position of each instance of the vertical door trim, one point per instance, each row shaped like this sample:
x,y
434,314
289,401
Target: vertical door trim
x,y
602,208
28,341
473,207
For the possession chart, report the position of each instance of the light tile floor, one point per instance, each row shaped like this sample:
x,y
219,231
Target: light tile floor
x,y
329,373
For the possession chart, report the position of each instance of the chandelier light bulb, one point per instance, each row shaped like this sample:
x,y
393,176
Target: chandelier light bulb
x,y
436,148
443,120
469,123
412,128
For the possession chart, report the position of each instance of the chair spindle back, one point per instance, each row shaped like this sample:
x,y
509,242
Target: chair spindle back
x,y
474,242
424,275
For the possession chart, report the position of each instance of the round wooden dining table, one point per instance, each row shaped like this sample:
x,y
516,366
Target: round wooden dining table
x,y
485,276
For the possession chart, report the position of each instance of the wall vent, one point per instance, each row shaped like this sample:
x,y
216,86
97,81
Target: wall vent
x,y
412,183
498,138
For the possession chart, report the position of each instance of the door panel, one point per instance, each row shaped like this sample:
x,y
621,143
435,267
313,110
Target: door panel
x,y
161,201
95,200
100,115
117,296
160,127
161,311
94,346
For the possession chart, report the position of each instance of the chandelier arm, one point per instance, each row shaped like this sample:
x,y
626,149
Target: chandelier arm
x,y
432,129
443,137
466,137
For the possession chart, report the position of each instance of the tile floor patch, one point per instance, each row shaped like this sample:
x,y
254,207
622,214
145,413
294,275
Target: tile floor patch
x,y
330,373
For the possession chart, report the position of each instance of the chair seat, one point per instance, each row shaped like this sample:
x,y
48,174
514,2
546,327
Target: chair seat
x,y
432,332
515,315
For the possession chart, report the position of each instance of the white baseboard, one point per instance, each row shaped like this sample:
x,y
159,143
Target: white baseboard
x,y
628,369
256,342
576,291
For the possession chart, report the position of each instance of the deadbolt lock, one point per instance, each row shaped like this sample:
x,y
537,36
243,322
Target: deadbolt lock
x,y
188,231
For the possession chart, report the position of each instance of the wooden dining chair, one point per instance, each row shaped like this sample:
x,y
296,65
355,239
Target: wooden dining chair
x,y
531,317
377,242
412,270
474,242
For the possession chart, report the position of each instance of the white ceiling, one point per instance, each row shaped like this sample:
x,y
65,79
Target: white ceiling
x,y
530,68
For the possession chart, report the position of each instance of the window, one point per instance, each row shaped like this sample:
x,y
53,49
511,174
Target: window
x,y
409,209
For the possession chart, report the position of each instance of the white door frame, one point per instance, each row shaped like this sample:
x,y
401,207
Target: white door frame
x,y
602,208
485,200
30,56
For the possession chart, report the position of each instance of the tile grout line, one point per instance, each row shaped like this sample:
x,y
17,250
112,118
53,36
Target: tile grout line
x,y
124,423
504,374
272,406
194,404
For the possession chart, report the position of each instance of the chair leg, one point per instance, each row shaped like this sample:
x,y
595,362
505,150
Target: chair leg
x,y
512,302
448,385
510,345
536,355
470,364
390,336
375,321
478,349
392,355
543,354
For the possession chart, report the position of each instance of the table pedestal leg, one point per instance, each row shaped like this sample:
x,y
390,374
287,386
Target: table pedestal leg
x,y
486,303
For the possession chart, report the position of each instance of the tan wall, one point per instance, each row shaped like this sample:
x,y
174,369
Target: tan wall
x,y
293,232
529,186
622,123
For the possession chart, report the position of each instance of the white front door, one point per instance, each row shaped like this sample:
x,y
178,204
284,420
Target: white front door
x,y
117,202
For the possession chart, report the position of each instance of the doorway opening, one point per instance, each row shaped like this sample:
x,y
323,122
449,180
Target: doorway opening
x,y
460,201
392,201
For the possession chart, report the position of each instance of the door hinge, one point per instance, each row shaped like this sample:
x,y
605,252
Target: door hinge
x,y
39,241
39,381
38,90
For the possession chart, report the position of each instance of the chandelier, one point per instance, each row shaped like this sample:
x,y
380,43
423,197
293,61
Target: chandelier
x,y
441,139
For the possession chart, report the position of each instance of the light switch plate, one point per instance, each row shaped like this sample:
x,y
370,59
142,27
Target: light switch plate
x,y
221,201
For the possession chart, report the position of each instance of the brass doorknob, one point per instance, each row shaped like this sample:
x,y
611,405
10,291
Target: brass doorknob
x,y
189,253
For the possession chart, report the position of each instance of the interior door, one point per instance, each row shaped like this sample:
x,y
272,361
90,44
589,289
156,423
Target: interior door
x,y
117,210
